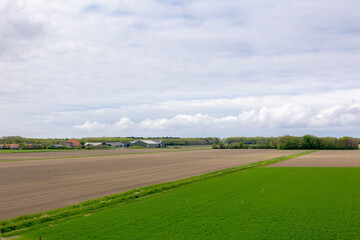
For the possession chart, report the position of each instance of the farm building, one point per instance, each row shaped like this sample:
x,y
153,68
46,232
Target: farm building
x,y
66,144
57,146
160,142
75,142
70,143
115,144
11,146
27,145
90,144
147,143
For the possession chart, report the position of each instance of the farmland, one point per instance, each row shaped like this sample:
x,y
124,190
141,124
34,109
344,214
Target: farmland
x,y
340,158
30,186
318,198
261,203
17,155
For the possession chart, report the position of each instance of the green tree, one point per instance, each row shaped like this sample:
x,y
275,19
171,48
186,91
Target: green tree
x,y
310,142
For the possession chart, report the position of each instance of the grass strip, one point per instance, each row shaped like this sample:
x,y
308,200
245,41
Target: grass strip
x,y
104,155
26,222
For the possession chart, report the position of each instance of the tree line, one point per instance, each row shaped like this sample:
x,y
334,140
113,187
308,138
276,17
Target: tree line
x,y
284,142
289,142
313,142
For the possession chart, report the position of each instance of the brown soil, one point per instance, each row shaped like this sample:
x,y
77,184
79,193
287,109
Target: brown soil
x,y
334,158
59,154
33,186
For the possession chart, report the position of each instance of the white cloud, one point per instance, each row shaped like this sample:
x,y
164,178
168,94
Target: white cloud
x,y
167,64
91,126
123,125
287,116
180,121
340,115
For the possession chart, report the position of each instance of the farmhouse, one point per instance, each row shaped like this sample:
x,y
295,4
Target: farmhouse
x,y
27,145
75,142
147,143
11,146
70,143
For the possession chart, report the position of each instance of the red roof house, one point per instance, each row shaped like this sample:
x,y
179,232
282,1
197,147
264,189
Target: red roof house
x,y
70,143
12,146
75,142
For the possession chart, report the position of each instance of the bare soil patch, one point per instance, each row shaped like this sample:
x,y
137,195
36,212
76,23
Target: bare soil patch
x,y
324,158
33,186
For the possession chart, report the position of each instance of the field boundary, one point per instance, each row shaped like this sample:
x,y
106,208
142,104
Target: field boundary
x,y
104,155
24,223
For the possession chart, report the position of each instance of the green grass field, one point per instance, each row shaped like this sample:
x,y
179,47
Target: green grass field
x,y
261,203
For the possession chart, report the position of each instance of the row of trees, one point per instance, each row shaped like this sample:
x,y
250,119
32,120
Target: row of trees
x,y
285,142
241,145
250,140
22,140
289,142
191,141
313,142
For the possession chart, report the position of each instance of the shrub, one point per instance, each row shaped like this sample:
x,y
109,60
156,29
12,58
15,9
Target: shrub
x,y
214,146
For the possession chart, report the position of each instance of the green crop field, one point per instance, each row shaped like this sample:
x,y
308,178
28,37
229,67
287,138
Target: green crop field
x,y
261,203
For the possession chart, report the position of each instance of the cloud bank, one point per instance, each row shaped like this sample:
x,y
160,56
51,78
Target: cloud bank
x,y
287,116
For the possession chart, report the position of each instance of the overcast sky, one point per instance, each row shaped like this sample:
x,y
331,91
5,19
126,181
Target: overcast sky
x,y
179,68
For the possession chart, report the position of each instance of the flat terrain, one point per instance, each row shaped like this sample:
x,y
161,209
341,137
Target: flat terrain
x,y
261,203
73,153
37,185
330,158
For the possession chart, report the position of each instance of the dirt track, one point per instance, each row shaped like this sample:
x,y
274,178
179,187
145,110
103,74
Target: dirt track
x,y
38,185
334,158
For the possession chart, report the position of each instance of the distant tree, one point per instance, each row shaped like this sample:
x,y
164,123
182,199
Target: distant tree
x,y
328,143
348,143
310,142
289,142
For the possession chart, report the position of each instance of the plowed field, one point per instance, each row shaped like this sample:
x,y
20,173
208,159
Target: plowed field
x,y
59,154
37,185
334,158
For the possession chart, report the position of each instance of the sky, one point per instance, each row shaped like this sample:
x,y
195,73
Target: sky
x,y
194,68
